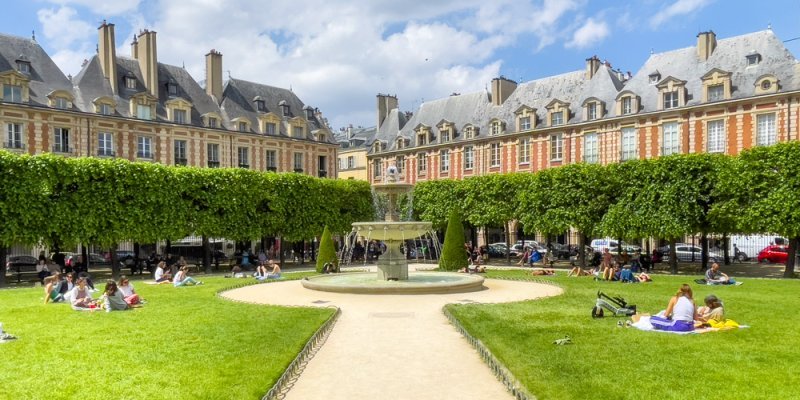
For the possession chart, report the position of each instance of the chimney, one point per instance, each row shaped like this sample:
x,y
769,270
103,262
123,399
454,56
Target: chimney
x,y
386,103
592,65
706,43
107,53
501,89
214,75
146,52
135,48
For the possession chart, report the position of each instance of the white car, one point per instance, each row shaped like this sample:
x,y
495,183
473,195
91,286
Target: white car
x,y
684,252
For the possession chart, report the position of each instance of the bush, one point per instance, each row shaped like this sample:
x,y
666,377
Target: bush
x,y
454,257
327,252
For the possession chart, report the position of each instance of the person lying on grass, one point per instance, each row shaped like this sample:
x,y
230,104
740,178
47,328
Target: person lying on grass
x,y
52,289
161,275
128,292
680,313
543,271
112,297
577,271
81,296
182,278
644,277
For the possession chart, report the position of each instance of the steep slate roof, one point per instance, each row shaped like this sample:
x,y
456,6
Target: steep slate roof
x,y
359,137
389,129
188,89
90,84
238,102
729,55
45,76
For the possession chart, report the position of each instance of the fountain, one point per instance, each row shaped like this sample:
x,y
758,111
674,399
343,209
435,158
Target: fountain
x,y
392,266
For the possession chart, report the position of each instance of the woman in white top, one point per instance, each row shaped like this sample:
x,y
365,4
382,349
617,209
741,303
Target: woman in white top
x,y
680,313
128,292
183,279
161,275
81,296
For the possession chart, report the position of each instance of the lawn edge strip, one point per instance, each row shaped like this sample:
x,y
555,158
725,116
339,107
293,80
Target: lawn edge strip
x,y
500,371
296,367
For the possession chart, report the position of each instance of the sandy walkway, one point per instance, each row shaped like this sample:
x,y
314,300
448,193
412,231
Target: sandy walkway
x,y
394,346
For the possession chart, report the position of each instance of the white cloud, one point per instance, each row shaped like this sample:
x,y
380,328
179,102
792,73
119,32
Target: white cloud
x,y
62,27
680,7
591,33
103,8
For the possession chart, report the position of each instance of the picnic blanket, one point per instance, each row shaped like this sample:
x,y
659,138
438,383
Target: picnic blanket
x,y
645,325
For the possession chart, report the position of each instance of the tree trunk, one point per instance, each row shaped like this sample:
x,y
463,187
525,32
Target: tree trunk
x,y
582,250
673,257
281,255
791,257
704,247
136,260
508,242
206,255
168,247
726,255
85,255
115,269
3,254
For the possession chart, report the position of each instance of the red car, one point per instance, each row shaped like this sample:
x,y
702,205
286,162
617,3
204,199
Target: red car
x,y
774,254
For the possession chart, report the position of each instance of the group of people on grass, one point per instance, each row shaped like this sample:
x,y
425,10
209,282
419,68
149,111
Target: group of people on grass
x,y
623,269
681,314
179,278
117,295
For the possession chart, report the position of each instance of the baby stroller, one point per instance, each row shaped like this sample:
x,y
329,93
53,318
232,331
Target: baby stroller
x,y
616,305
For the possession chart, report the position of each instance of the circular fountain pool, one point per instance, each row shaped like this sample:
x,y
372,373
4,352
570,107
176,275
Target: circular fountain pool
x,y
417,283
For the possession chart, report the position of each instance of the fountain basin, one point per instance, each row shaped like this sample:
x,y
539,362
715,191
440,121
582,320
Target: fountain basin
x,y
417,283
385,231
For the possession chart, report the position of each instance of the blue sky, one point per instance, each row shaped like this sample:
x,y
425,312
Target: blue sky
x,y
338,55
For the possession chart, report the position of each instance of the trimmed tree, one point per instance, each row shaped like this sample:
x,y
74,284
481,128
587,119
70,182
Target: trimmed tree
x,y
327,252
453,255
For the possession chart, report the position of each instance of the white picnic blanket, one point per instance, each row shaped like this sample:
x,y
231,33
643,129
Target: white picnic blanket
x,y
645,325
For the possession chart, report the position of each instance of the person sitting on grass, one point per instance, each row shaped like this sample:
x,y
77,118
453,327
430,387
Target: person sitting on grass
x,y
261,272
42,270
715,277
712,310
112,297
161,275
644,277
81,296
626,274
578,271
67,286
182,278
543,271
52,289
128,292
276,270
680,313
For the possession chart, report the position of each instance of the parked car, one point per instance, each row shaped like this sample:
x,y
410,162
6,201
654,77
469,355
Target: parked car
x,y
21,263
773,254
686,253
613,245
121,255
561,251
496,251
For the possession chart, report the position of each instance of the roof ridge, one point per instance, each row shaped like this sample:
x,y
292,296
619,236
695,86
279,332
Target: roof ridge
x,y
8,35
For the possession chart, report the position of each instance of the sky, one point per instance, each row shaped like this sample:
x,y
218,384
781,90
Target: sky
x,y
338,55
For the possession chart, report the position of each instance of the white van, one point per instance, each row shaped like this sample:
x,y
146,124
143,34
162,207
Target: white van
x,y
599,245
753,244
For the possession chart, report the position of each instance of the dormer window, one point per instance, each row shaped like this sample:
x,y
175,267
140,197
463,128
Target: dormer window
x,y
242,126
172,88
672,92
60,99
212,122
423,134
524,123
470,132
261,106
716,85
671,99
309,112
767,84
627,106
24,66
753,59
627,103
496,127
557,118
61,103
654,78
422,138
377,147
284,108
558,112
12,93
593,108
716,93
106,109
591,111
401,143
130,82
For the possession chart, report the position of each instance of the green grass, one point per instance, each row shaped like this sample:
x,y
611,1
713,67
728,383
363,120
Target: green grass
x,y
624,363
186,343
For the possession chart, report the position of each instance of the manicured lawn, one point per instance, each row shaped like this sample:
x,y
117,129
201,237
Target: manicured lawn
x,y
186,343
608,362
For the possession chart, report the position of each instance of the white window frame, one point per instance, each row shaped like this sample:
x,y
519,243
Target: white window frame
x,y
377,168
494,155
445,135
469,157
14,136
627,105
525,123
715,136
524,150
400,163
715,92
422,163
179,152
557,118
469,132
12,93
106,109
766,129
270,128
496,129
143,111
272,159
591,148
671,100
130,83
242,126
213,122
144,147
444,160
243,156
297,161
351,162
591,111
297,131
61,140
629,145
670,138
105,144
556,147
179,116
212,154
61,103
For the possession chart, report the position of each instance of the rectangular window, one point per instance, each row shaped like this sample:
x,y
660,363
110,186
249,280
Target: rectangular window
x,y
470,133
61,103
272,160
591,151
421,139
557,118
61,140
144,147
422,163
525,150
400,162
716,93
24,67
105,144
556,147
496,128
298,162
13,136
469,157
671,100
130,83
179,116
444,160
591,111
172,89
322,166
142,111
524,123
670,139
627,105
213,155
377,168
494,155
12,93
243,154
351,162
445,135
180,152
269,128
629,144
212,122
765,128
242,126
106,109
297,131
716,136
